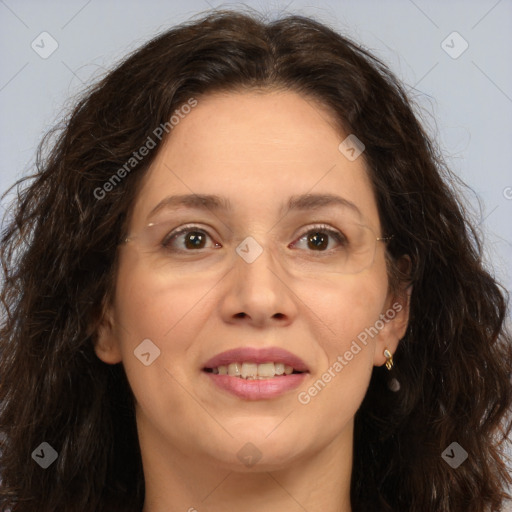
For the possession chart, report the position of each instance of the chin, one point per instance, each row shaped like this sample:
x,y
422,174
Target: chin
x,y
250,459
252,450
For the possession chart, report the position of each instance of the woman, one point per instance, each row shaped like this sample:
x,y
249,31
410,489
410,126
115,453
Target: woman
x,y
241,280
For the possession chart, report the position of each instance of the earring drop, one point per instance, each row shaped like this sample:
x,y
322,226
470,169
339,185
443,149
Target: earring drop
x,y
389,359
394,385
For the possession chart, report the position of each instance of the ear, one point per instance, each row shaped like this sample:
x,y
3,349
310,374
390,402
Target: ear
x,y
395,316
106,344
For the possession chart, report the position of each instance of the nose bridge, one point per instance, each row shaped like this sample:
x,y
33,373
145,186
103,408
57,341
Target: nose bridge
x,y
259,278
256,261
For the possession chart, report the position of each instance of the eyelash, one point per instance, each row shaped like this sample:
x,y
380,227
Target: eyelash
x,y
166,242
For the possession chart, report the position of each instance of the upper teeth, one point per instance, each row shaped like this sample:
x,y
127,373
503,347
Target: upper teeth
x,y
253,370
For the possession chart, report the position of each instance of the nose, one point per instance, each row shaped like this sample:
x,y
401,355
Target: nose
x,y
257,291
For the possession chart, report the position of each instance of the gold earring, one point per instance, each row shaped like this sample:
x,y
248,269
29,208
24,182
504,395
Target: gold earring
x,y
389,359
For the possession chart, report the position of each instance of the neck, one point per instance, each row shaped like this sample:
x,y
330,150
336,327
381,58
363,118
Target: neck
x,y
175,481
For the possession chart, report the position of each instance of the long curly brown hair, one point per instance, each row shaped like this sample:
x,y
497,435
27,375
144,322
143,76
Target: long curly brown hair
x,y
59,256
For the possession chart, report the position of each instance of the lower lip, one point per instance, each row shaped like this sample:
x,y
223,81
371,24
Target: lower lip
x,y
257,389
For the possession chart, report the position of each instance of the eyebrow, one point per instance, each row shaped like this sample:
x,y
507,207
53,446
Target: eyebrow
x,y
214,202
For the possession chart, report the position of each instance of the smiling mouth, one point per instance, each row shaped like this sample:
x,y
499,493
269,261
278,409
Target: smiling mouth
x,y
254,371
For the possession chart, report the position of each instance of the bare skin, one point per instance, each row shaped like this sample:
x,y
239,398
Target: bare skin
x,y
257,150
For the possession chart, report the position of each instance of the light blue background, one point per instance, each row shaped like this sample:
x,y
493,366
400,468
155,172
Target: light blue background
x,y
465,102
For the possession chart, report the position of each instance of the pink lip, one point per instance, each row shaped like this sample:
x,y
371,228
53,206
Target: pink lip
x,y
257,355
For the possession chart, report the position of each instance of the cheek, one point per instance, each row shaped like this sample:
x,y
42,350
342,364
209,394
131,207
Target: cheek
x,y
347,307
342,377
151,307
360,308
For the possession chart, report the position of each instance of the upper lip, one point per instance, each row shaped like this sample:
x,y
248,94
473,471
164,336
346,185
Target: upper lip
x,y
257,355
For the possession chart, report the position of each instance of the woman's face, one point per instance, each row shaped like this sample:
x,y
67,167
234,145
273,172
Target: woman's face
x,y
249,277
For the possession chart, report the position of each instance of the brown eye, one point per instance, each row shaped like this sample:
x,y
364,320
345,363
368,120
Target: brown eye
x,y
186,239
317,239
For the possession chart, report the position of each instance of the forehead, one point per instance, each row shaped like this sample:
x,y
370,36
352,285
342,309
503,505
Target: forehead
x,y
257,150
